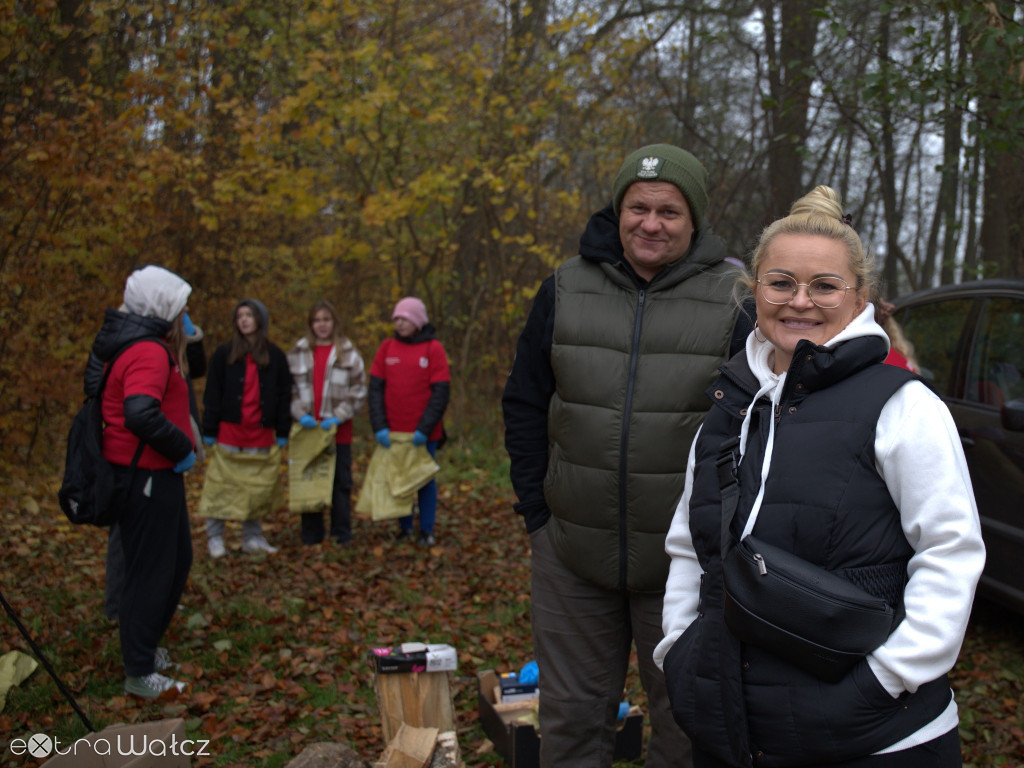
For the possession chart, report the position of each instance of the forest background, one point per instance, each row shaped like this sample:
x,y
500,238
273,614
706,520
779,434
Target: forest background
x,y
363,150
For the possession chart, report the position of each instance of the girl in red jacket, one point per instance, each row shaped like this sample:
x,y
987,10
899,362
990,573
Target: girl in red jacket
x,y
409,388
146,412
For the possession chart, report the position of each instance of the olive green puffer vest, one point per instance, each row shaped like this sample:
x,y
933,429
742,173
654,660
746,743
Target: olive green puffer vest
x,y
631,367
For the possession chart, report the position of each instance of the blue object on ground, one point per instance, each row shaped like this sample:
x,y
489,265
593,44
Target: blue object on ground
x,y
529,674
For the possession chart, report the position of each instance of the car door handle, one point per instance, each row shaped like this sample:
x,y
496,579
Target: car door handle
x,y
968,442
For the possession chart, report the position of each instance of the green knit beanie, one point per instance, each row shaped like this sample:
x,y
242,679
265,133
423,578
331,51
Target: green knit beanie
x,y
664,162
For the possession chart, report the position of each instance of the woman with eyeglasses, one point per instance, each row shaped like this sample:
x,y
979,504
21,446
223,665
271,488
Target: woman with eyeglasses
x,y
851,465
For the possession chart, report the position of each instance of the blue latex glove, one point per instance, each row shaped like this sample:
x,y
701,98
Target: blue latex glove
x,y
529,674
307,421
282,442
418,438
209,440
185,463
329,422
623,711
186,322
384,437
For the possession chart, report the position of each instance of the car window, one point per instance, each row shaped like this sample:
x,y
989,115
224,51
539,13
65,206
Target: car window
x,y
934,330
996,372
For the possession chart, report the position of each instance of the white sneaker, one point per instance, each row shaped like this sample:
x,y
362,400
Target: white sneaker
x,y
152,685
257,544
162,660
216,547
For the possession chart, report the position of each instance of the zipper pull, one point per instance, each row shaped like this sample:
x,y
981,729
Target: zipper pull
x,y
760,564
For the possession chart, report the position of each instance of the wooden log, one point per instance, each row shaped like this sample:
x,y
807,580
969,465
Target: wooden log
x,y
446,753
418,699
411,748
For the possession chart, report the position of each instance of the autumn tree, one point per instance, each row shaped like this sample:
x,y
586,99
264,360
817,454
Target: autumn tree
x,y
998,47
360,151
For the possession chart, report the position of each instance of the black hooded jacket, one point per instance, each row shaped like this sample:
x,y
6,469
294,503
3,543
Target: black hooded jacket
x,y
119,329
142,414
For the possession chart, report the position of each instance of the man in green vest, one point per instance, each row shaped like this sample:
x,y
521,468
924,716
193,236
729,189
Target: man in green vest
x,y
603,400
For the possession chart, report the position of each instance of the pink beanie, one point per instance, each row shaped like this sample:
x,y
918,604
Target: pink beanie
x,y
413,310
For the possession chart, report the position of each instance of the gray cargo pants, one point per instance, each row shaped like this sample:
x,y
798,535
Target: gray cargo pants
x,y
582,635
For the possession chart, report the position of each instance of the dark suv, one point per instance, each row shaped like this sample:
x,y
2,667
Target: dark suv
x,y
969,342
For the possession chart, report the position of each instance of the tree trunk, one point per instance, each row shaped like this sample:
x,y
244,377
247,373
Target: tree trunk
x,y
887,178
946,207
971,189
790,96
74,56
1002,247
954,136
1002,241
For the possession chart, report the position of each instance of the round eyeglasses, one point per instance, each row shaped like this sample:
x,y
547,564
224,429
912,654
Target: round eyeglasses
x,y
825,292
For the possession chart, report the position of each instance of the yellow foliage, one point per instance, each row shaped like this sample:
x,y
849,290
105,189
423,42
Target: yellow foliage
x,y
362,153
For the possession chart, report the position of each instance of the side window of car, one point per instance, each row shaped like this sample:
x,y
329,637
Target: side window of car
x,y
934,330
996,371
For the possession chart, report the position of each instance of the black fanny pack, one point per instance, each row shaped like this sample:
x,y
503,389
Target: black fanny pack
x,y
817,620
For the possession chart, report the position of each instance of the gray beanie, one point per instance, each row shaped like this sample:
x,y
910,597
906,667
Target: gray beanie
x,y
256,306
664,162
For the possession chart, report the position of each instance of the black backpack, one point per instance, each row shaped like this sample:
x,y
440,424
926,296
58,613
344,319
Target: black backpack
x,y
89,492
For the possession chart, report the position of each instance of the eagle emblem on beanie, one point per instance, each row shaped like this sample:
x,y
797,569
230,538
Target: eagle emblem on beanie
x,y
668,163
647,167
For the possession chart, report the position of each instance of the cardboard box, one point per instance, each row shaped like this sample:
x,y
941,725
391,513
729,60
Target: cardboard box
x,y
518,742
513,690
414,657
159,744
523,696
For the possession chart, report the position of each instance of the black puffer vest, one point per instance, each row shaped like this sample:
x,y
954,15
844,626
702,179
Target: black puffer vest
x,y
825,501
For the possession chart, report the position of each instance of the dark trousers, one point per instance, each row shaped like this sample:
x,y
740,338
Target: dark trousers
x,y
943,752
157,545
426,501
115,573
341,504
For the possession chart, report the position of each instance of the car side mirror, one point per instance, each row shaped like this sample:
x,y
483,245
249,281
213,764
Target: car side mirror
x,y
1012,415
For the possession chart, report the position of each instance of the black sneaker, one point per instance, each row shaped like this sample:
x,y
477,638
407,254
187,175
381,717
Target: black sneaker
x,y
403,535
426,539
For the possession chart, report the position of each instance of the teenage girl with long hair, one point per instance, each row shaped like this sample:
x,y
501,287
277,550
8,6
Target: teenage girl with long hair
x,y
328,389
246,406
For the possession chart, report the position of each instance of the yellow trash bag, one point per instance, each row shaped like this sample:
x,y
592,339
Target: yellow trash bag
x,y
394,476
311,459
15,667
241,485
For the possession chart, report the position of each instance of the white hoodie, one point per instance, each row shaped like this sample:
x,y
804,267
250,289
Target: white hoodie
x,y
919,456
156,292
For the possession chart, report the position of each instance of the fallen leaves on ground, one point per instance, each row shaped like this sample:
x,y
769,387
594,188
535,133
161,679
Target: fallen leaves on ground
x,y
275,648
